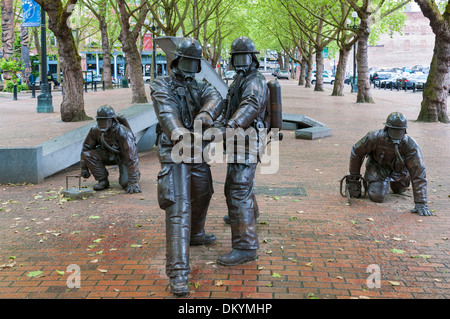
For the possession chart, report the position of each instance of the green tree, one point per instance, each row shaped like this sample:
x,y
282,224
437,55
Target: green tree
x,y
132,13
369,12
99,9
434,103
72,106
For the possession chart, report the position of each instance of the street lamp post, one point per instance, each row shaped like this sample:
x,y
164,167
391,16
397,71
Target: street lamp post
x,y
354,27
153,68
154,52
45,100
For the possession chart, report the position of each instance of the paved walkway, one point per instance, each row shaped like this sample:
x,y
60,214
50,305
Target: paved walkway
x,y
312,245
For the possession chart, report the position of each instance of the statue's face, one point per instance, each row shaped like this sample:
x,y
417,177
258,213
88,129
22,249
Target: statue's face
x,y
188,66
104,124
242,62
396,134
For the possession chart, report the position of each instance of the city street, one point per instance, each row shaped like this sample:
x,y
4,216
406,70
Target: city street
x,y
312,243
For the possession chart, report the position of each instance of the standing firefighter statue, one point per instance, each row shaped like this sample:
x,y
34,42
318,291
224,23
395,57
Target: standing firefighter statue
x,y
184,187
111,142
393,159
246,106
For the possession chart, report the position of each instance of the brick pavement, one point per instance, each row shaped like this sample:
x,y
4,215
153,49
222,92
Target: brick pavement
x,y
312,246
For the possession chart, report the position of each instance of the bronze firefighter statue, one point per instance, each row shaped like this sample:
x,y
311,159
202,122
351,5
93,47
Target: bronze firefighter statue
x,y
111,142
246,104
184,187
393,159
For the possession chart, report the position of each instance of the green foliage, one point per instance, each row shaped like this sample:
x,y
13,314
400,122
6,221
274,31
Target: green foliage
x,y
9,86
11,67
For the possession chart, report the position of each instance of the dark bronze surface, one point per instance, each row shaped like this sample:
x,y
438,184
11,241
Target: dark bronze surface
x,y
114,146
390,162
184,189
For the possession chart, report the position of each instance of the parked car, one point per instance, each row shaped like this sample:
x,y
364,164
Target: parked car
x,y
147,79
384,83
382,76
407,69
275,72
417,68
349,78
326,78
406,81
283,75
390,82
420,81
229,75
372,72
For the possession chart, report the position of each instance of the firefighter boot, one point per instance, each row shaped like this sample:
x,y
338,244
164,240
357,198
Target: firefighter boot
x,y
237,256
101,185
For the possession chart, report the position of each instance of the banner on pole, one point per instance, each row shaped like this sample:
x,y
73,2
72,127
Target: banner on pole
x,y
148,42
31,14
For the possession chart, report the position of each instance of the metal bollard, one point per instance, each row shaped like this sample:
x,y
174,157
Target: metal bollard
x,y
85,87
95,86
103,85
33,90
15,92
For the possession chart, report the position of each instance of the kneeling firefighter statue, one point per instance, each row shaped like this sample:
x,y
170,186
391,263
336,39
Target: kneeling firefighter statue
x,y
393,159
184,187
111,142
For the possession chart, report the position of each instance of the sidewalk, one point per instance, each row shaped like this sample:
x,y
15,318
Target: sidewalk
x,y
312,246
23,126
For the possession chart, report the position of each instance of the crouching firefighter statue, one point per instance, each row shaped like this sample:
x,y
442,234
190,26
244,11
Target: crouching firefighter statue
x,y
111,142
393,159
184,187
247,105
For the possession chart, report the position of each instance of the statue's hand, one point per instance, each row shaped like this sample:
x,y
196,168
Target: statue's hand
x,y
206,119
133,188
85,173
422,210
353,183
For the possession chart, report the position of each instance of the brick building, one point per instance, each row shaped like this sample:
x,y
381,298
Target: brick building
x,y
413,47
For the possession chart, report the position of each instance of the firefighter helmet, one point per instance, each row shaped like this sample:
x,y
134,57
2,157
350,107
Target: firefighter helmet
x,y
243,45
396,120
105,112
191,49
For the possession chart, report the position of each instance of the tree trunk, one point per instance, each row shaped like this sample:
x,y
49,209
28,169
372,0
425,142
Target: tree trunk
x,y
434,103
107,72
309,65
435,93
339,85
134,67
128,37
72,106
364,93
301,78
319,70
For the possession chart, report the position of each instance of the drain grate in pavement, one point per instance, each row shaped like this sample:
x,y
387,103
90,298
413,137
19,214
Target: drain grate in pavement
x,y
281,191
294,190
